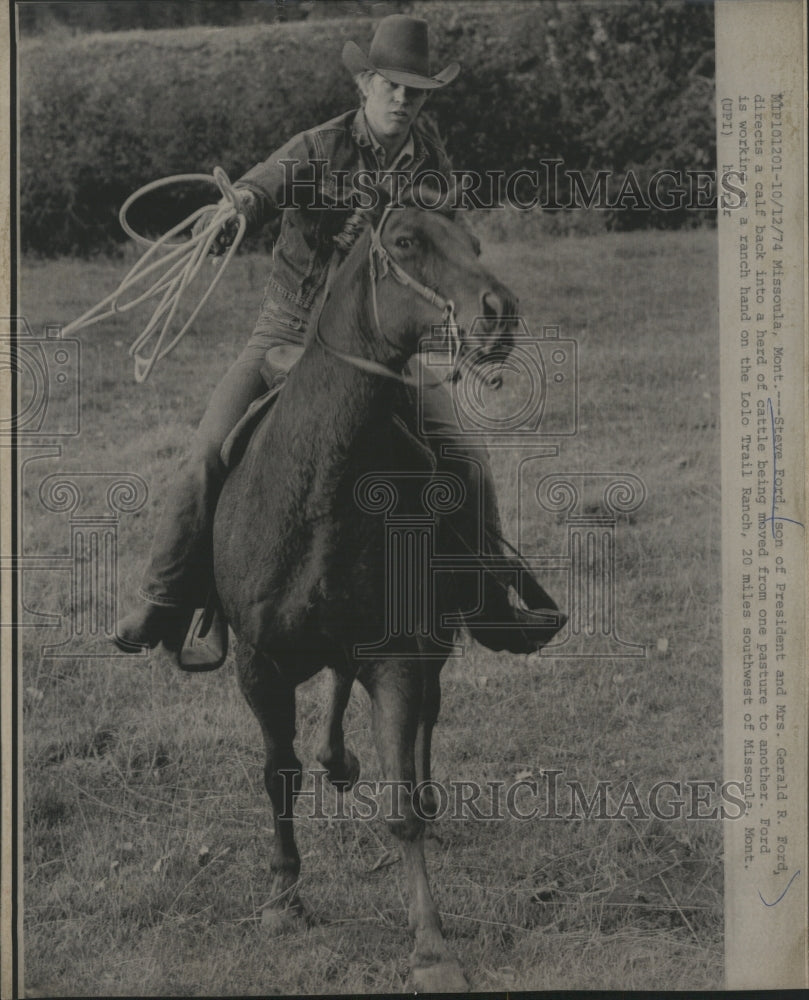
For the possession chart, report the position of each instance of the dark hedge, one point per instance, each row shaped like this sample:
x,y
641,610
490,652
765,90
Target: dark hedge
x,y
618,87
81,16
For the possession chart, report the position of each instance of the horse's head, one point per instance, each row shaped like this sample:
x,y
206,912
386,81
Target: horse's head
x,y
427,273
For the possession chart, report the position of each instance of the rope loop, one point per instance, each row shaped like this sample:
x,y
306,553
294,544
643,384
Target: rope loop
x,y
227,189
172,273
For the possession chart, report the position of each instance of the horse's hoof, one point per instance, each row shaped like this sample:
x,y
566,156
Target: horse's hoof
x,y
442,977
344,775
281,921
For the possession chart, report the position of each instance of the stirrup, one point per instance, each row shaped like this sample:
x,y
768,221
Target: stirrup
x,y
206,642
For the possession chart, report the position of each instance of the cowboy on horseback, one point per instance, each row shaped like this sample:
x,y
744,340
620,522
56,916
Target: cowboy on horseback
x,y
306,185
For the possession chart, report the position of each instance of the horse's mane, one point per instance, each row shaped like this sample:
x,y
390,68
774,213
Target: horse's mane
x,y
346,286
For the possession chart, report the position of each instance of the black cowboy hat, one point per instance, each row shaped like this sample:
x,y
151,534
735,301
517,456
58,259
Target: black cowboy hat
x,y
400,52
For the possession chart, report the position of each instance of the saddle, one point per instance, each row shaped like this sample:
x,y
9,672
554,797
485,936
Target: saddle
x,y
236,442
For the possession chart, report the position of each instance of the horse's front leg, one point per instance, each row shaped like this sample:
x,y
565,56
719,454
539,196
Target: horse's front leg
x,y
342,766
396,694
428,715
273,703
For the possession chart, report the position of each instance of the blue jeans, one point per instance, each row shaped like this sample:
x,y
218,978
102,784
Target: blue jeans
x,y
179,572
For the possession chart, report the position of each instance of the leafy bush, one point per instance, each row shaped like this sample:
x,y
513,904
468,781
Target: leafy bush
x,y
600,86
611,86
69,16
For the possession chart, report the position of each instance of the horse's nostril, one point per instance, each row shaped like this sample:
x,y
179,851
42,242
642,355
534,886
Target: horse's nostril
x,y
492,310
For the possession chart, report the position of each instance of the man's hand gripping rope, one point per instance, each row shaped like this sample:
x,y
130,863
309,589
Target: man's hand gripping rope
x,y
215,229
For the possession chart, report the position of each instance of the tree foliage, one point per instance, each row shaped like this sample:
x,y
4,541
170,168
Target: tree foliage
x,y
613,86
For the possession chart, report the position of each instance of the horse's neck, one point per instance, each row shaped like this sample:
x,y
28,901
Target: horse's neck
x,y
333,415
349,322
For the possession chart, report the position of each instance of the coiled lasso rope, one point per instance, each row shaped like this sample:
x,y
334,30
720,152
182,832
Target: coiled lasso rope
x,y
171,273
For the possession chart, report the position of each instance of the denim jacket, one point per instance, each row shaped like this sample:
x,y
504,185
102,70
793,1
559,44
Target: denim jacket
x,y
318,176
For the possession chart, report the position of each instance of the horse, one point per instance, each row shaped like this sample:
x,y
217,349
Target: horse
x,y
300,565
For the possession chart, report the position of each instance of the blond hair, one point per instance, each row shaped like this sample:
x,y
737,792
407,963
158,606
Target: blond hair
x,y
362,80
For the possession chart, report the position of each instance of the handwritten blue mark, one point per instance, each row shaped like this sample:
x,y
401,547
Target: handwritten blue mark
x,y
772,518
764,901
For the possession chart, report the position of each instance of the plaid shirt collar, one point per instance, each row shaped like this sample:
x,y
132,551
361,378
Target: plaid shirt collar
x,y
365,139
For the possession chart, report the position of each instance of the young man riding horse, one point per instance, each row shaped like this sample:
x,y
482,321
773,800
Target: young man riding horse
x,y
300,183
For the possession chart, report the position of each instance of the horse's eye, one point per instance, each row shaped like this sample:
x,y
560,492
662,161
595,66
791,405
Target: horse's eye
x,y
404,242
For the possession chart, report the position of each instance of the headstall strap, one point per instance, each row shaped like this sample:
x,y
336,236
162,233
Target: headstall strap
x,y
380,264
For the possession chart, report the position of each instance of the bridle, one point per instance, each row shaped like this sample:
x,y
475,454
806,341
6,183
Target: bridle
x,y
380,265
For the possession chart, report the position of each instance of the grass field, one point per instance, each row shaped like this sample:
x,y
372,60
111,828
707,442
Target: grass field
x,y
135,774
